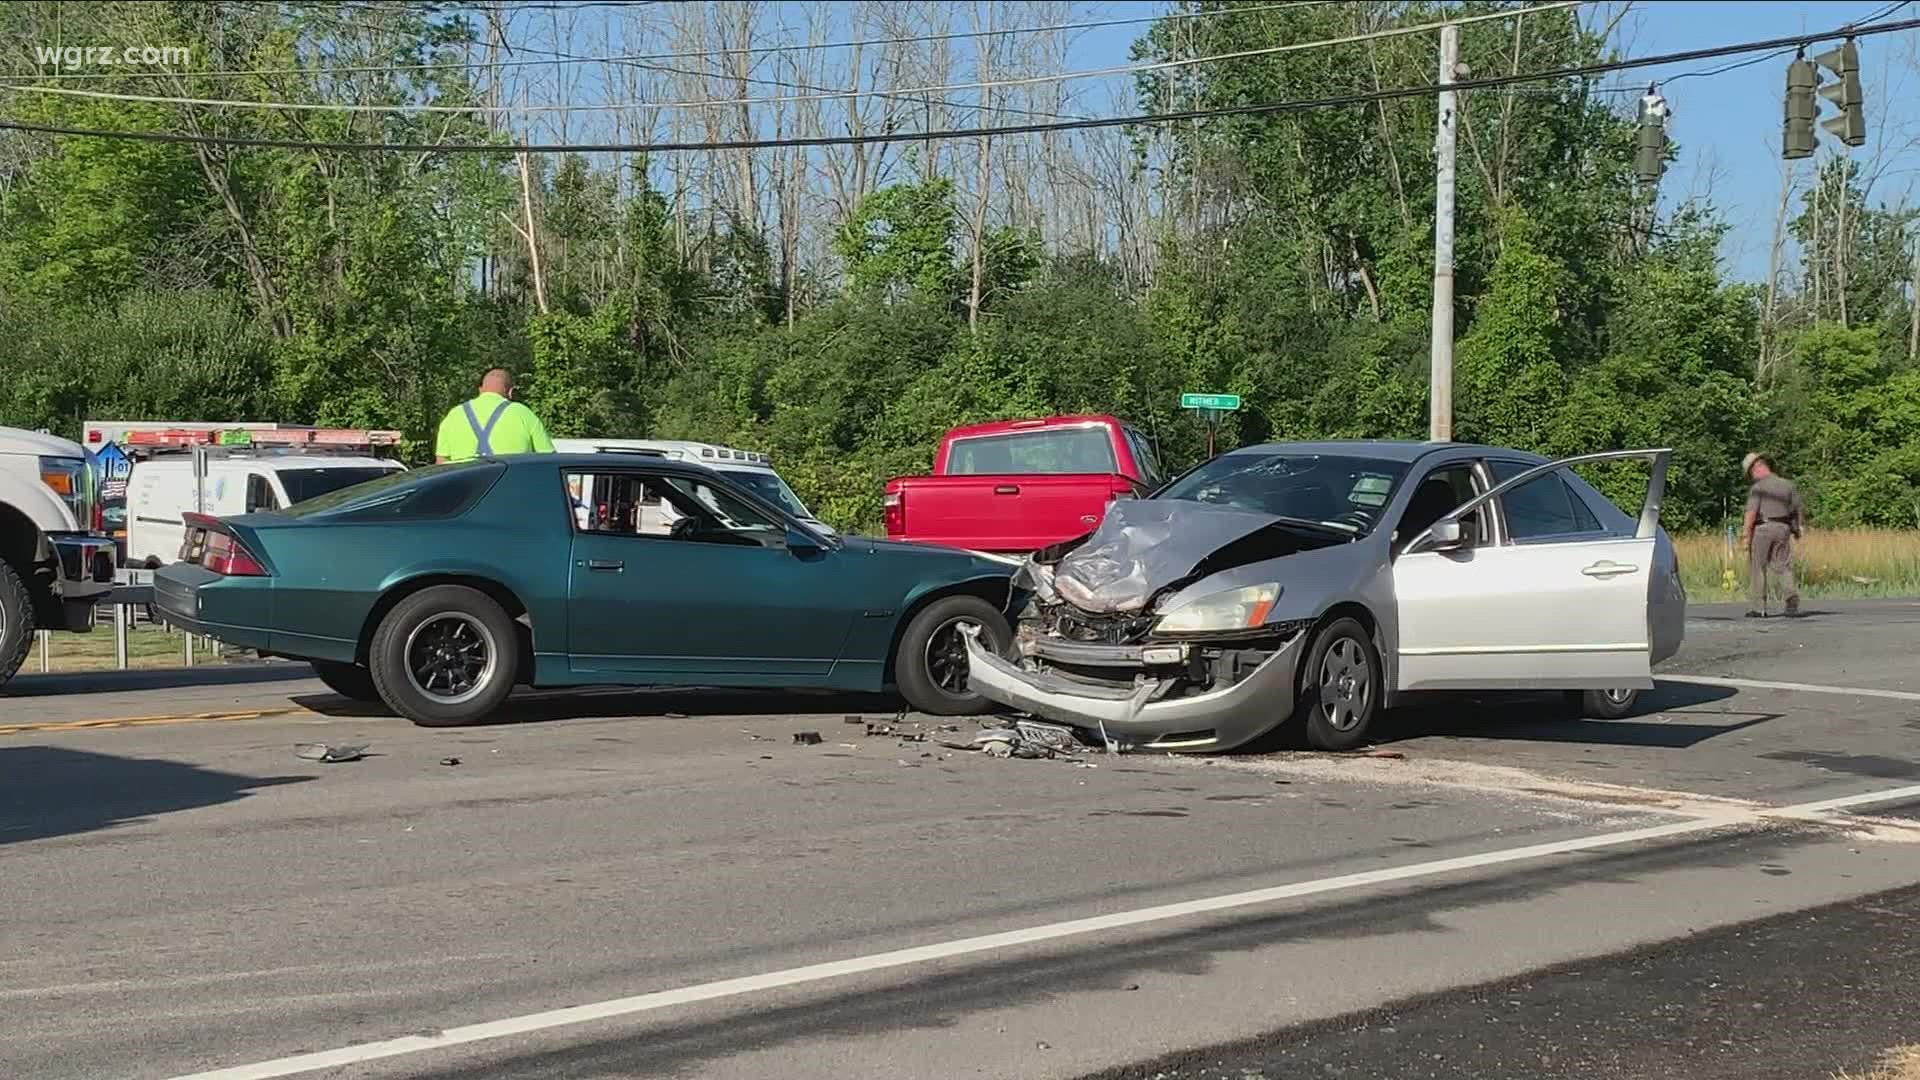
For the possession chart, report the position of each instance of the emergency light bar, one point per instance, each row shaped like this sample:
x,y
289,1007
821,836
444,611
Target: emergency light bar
x,y
242,438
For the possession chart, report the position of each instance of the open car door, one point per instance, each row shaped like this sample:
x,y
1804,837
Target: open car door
x,y
1567,611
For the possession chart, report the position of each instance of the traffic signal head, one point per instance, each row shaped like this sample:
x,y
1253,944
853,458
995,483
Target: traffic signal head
x,y
1850,126
1650,140
1797,141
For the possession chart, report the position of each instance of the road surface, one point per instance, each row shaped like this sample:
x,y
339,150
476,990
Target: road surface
x,y
666,884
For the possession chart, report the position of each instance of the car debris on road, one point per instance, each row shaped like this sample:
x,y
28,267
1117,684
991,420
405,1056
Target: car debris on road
x,y
330,754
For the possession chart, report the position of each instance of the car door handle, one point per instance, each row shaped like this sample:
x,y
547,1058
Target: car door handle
x,y
1609,568
605,564
1007,489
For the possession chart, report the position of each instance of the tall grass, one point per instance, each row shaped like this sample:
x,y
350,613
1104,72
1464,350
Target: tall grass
x,y
1826,562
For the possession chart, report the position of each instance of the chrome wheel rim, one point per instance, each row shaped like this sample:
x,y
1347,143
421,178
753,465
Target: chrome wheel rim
x,y
1346,684
450,658
1621,698
946,654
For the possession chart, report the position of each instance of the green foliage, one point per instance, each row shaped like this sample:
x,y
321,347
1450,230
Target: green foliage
x,y
899,242
584,379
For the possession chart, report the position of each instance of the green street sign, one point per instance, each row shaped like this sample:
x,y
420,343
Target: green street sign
x,y
1217,402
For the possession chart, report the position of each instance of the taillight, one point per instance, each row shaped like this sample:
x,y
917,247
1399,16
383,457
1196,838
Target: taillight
x,y
227,556
896,513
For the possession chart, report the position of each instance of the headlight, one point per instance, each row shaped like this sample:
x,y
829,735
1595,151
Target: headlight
x,y
1234,609
72,480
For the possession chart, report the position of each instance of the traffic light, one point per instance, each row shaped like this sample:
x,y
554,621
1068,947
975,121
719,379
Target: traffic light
x,y
1798,142
1803,79
1850,126
1650,140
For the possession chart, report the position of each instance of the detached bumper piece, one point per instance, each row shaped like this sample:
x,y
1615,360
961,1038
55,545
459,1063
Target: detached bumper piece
x,y
1160,708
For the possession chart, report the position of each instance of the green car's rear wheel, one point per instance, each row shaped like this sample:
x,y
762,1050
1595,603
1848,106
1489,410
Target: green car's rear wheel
x,y
350,681
444,656
930,667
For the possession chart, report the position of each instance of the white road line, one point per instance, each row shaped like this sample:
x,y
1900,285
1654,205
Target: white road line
x,y
1804,688
773,980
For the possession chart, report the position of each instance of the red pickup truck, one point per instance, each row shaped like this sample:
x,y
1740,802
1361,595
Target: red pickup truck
x,y
1017,486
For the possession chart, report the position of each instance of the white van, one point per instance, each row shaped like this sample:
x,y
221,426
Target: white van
x,y
160,490
749,470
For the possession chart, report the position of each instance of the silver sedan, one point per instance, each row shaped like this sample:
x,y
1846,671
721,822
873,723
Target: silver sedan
x,y
1322,582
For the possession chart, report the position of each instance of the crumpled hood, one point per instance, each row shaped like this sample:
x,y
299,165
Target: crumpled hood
x,y
1144,546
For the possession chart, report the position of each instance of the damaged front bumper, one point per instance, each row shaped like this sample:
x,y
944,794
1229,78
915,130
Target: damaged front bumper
x,y
1159,709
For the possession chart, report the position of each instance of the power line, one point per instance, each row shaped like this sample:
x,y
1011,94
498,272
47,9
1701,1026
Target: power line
x,y
758,50
988,84
1751,61
1270,108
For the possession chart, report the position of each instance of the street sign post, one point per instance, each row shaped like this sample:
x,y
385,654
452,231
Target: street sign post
x,y
1211,408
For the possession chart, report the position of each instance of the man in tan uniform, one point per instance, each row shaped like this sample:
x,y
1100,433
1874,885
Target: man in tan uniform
x,y
1774,521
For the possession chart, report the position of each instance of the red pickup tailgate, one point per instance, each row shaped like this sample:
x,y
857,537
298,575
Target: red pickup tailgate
x,y
1006,513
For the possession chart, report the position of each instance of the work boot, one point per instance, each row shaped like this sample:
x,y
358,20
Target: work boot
x,y
1756,615
1793,606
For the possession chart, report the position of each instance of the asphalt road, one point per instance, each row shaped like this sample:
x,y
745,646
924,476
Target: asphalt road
x,y
185,894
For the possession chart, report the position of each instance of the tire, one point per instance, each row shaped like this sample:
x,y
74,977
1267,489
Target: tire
x,y
16,621
350,681
451,619
1341,686
1603,704
923,664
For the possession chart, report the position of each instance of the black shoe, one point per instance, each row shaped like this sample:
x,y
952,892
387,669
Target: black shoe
x,y
1755,615
1793,607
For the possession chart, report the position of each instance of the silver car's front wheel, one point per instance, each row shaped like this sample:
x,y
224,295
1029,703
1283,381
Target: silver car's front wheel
x,y
1340,686
1604,704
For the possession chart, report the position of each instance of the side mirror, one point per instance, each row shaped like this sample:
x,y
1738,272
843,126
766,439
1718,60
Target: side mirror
x,y
802,542
1445,536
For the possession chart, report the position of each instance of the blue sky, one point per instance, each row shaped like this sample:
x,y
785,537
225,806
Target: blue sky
x,y
1726,128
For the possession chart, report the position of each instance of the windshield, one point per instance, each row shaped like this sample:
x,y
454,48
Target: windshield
x,y
1059,450
304,484
1346,493
770,487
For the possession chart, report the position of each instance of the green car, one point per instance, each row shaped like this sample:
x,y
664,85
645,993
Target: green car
x,y
438,591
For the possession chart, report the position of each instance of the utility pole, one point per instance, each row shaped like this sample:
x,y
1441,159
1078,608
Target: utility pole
x,y
1440,393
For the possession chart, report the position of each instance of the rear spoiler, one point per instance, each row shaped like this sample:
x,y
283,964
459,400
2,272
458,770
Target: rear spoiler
x,y
204,521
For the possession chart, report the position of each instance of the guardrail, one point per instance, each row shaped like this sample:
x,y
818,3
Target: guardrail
x,y
123,606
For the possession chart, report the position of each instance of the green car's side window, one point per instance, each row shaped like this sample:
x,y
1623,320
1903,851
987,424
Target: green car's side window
x,y
678,508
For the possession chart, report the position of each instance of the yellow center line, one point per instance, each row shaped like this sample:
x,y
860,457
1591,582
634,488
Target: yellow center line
x,y
146,721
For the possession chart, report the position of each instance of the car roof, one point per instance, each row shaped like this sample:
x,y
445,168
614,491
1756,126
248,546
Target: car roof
x,y
713,453
1009,427
585,460
1401,451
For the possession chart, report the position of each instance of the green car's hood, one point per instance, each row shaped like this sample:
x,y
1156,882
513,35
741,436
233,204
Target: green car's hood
x,y
931,555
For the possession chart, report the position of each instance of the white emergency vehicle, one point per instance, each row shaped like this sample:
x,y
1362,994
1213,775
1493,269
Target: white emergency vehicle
x,y
236,471
748,469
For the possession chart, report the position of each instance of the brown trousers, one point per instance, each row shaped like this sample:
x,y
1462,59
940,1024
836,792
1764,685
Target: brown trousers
x,y
1772,554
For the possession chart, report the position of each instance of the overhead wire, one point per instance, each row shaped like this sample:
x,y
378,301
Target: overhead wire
x,y
1266,108
986,84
